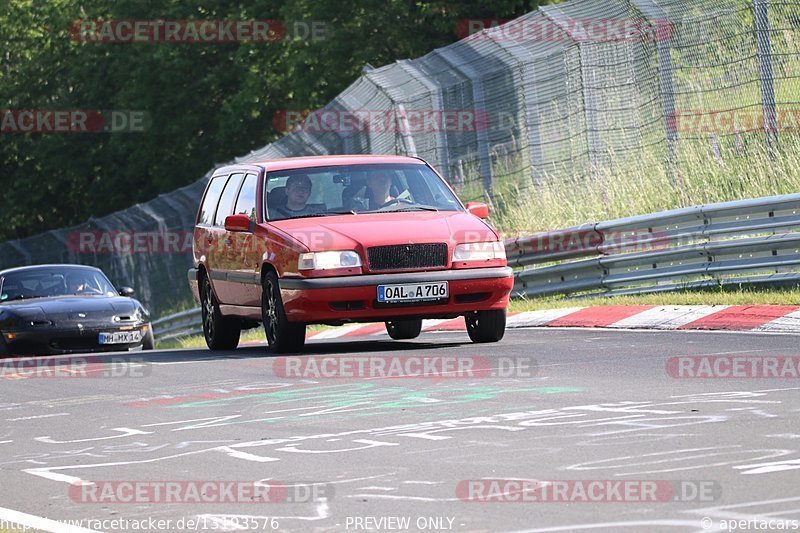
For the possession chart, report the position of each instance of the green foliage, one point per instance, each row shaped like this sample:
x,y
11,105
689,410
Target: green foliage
x,y
208,102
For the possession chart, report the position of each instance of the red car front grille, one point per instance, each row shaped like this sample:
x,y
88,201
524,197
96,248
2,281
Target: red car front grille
x,y
407,256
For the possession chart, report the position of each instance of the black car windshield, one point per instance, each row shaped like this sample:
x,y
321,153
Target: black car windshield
x,y
355,189
53,281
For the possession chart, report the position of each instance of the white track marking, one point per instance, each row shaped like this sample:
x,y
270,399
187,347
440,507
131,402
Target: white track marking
x,y
335,333
39,523
668,316
790,322
539,318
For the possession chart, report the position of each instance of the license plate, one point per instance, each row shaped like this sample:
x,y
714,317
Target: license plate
x,y
412,292
120,337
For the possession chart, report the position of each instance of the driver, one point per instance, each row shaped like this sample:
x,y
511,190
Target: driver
x,y
379,185
79,284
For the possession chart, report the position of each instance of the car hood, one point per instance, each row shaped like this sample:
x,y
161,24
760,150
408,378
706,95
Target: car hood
x,y
349,232
64,307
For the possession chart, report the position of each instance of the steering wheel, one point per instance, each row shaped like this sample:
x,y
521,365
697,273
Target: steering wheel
x,y
87,289
397,201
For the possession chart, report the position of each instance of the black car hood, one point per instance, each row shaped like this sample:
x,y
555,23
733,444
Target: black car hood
x,y
65,306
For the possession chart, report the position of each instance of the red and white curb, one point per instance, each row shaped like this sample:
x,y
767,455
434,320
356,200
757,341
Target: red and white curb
x,y
764,318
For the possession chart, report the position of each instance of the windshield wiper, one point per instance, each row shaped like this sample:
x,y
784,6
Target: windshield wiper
x,y
348,212
411,208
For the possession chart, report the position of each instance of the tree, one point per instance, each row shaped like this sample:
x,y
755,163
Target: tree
x,y
207,103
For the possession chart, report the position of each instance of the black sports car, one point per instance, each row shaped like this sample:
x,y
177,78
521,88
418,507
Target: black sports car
x,y
55,309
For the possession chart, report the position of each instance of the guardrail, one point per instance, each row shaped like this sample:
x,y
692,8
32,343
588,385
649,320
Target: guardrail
x,y
183,324
746,241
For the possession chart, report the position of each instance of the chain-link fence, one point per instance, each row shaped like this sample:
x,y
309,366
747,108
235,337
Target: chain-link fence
x,y
552,96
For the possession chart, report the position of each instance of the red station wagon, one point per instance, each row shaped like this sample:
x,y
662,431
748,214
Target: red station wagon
x,y
338,239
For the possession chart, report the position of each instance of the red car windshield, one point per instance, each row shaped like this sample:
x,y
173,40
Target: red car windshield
x,y
377,188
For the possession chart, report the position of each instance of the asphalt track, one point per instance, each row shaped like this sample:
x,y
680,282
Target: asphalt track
x,y
572,405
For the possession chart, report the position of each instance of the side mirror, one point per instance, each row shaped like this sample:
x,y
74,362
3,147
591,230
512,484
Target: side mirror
x,y
126,291
237,223
479,209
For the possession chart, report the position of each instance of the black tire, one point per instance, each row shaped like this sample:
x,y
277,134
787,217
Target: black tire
x,y
486,326
282,336
221,333
404,329
149,341
3,347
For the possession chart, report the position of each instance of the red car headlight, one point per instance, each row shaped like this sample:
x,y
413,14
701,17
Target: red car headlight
x,y
328,260
479,251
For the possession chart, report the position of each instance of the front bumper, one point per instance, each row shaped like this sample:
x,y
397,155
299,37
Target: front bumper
x,y
63,341
354,298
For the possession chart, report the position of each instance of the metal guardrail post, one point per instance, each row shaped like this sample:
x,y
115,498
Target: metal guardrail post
x,y
764,50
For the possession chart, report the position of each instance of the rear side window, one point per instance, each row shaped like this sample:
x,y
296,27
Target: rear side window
x,y
246,204
225,206
210,202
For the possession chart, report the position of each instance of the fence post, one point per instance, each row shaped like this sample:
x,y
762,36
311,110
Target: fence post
x,y
588,84
764,51
478,98
662,35
442,151
590,109
399,115
527,66
532,112
351,104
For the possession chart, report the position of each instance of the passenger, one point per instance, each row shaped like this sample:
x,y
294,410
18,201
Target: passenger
x,y
298,191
